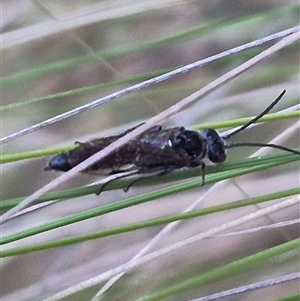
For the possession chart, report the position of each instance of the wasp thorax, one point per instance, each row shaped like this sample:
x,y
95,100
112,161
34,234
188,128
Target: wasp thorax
x,y
215,146
190,142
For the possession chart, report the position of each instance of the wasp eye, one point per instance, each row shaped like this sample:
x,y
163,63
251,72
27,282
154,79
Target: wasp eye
x,y
217,155
60,163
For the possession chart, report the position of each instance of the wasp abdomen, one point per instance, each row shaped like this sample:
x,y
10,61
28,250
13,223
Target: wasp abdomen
x,y
59,162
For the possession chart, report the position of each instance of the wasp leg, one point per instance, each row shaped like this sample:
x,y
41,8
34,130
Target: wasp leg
x,y
110,181
155,128
196,163
202,172
82,143
165,171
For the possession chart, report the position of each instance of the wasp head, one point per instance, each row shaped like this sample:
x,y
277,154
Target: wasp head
x,y
215,146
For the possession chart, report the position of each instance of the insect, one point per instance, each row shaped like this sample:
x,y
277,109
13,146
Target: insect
x,y
158,151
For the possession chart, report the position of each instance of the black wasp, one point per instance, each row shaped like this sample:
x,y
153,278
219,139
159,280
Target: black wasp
x,y
157,150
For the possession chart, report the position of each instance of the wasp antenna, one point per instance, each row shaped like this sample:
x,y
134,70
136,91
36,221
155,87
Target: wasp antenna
x,y
264,112
264,145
